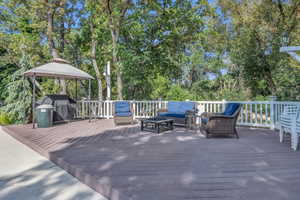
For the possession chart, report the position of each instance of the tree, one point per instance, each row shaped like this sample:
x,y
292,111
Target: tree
x,y
93,20
255,37
156,39
116,10
18,100
52,7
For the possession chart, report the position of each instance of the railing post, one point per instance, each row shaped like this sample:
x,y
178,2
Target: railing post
x,y
223,105
133,108
107,109
272,111
82,109
159,103
89,105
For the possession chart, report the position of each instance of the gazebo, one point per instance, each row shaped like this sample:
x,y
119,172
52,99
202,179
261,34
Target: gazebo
x,y
57,68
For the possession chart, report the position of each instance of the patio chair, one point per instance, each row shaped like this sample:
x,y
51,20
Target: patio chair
x,y
296,135
287,119
122,112
221,124
289,122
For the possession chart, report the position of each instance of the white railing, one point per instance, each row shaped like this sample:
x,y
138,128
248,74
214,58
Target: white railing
x,y
253,113
104,109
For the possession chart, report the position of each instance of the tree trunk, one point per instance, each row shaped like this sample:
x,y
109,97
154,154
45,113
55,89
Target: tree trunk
x,y
271,82
116,63
50,16
53,50
98,75
119,83
63,84
62,34
115,21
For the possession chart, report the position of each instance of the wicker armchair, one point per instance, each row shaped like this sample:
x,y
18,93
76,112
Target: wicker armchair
x,y
220,124
123,113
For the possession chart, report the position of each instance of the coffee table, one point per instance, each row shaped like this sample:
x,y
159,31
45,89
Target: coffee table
x,y
156,124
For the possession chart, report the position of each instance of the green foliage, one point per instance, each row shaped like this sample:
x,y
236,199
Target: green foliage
x,y
172,50
49,86
6,71
18,100
254,42
224,88
203,89
5,119
160,87
177,93
163,89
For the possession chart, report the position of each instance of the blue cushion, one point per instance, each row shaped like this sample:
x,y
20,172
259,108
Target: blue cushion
x,y
231,108
204,120
122,107
123,114
173,106
180,106
167,114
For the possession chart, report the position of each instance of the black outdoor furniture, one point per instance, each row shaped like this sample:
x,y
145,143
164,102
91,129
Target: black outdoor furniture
x,y
157,124
221,124
64,107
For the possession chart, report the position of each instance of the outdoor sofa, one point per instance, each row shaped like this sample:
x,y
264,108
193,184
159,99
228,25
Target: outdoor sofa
x,y
123,113
221,124
178,111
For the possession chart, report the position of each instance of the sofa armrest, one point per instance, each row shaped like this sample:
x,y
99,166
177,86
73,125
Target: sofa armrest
x,y
213,117
209,114
162,110
190,112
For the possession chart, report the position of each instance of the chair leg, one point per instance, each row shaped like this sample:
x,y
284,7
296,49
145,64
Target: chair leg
x,y
294,141
206,134
236,133
281,135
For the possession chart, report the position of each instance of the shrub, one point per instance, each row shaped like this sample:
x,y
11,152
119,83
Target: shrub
x,y
178,93
5,119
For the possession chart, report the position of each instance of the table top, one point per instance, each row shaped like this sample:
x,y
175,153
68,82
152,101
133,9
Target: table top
x,y
157,120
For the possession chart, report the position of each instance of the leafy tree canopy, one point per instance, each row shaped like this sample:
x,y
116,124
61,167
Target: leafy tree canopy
x,y
160,49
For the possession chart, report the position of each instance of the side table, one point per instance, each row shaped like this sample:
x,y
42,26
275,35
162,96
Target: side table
x,y
190,120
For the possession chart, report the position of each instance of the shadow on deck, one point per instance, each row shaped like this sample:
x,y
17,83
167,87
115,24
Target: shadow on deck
x,y
125,163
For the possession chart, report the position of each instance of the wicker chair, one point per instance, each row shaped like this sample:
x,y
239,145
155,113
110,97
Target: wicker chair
x,y
123,113
221,124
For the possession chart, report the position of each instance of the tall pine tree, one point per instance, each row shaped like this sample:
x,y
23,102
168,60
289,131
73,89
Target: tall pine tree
x,y
18,100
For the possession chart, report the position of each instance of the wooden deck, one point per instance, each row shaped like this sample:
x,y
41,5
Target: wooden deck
x,y
123,163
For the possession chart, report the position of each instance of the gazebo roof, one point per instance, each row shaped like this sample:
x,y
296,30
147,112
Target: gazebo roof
x,y
58,68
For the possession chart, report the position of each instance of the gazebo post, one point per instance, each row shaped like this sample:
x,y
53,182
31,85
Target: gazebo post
x,y
33,101
89,100
76,89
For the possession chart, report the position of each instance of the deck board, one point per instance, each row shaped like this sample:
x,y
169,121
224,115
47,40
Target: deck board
x,y
125,163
